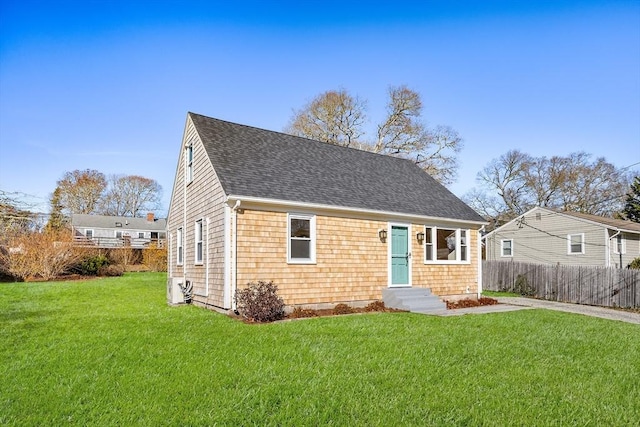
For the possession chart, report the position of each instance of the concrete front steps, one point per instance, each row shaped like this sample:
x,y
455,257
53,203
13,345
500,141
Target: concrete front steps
x,y
417,300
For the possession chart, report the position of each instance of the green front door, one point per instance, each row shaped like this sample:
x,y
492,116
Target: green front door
x,y
399,255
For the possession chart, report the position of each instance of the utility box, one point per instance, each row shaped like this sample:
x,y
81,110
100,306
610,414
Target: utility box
x,y
174,291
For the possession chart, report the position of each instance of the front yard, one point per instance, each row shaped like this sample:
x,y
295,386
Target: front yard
x,y
111,352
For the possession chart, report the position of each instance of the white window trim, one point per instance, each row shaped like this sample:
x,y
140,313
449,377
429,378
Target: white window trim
x,y
115,234
144,235
502,248
179,246
188,164
582,244
199,223
87,231
434,239
624,245
312,235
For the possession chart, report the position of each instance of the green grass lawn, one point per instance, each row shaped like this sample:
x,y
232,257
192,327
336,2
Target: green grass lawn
x,y
112,352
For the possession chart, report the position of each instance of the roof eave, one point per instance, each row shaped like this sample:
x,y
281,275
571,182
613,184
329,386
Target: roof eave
x,y
287,205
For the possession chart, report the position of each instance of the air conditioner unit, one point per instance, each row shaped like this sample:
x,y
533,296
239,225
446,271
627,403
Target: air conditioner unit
x,y
174,291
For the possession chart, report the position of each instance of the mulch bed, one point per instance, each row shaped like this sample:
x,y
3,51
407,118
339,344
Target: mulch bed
x,y
466,303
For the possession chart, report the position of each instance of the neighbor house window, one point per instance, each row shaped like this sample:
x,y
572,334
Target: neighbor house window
x,y
88,234
446,245
118,234
301,230
179,254
198,235
620,246
575,243
140,234
507,248
189,160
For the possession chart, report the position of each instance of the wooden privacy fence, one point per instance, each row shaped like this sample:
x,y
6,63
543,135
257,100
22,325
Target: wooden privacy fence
x,y
606,287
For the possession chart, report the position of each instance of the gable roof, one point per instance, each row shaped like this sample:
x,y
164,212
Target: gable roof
x,y
264,164
616,224
128,223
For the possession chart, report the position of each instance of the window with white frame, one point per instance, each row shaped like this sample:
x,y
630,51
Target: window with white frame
x,y
179,248
506,248
140,234
620,245
189,164
118,234
575,243
88,233
301,242
198,238
446,245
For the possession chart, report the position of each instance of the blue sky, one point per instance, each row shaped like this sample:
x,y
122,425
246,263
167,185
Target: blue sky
x,y
106,85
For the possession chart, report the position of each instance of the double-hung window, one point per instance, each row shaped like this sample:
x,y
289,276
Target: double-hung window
x,y
189,164
88,233
575,243
301,241
506,248
179,248
198,238
446,245
620,245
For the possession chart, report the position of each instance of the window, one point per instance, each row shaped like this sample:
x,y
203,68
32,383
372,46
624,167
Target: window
x,y
301,241
179,253
507,248
620,245
140,234
446,245
575,243
198,236
88,234
118,234
189,160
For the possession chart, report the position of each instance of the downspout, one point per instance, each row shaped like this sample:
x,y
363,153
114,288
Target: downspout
x,y
234,259
184,224
206,271
479,249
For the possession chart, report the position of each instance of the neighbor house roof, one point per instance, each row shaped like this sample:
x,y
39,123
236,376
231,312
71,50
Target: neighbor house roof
x,y
263,164
618,224
104,221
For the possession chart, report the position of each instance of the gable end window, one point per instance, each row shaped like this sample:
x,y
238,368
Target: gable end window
x,y
506,248
446,245
189,164
575,244
198,237
301,241
179,248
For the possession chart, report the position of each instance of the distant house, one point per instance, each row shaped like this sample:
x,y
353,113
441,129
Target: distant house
x,y
116,231
546,236
327,224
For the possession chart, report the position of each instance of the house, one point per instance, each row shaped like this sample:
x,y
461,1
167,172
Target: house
x,y
546,236
326,224
104,231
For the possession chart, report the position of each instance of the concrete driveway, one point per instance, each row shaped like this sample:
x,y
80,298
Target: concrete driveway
x,y
514,303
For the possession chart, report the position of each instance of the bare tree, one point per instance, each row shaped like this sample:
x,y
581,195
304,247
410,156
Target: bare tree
x,y
130,195
334,116
80,191
337,117
16,217
574,183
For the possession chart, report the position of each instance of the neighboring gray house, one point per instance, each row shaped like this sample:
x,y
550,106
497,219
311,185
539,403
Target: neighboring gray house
x,y
546,236
117,231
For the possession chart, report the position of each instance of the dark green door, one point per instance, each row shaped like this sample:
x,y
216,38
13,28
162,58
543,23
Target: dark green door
x,y
399,255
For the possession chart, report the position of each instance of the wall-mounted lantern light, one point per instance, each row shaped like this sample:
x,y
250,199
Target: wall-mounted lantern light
x,y
420,237
382,233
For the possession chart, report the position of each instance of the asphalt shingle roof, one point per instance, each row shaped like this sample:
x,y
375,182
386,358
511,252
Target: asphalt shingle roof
x,y
254,162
